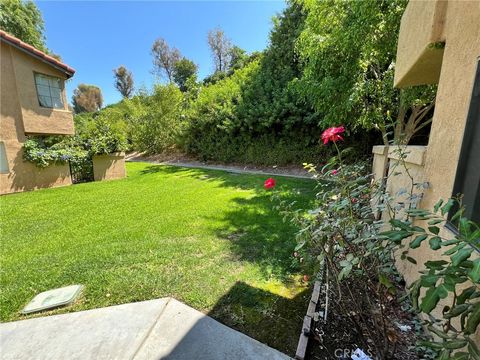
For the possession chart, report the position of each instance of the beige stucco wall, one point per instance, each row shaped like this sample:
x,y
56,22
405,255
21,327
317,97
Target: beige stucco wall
x,y
109,167
457,23
461,31
23,175
419,59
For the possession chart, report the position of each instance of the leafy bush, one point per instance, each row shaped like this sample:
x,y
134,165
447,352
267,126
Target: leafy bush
x,y
155,121
341,234
102,133
455,264
46,151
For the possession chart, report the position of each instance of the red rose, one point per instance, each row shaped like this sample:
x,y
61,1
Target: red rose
x,y
334,172
269,183
332,134
354,200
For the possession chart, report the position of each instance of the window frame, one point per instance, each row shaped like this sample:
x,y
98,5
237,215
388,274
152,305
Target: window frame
x,y
469,154
50,96
4,158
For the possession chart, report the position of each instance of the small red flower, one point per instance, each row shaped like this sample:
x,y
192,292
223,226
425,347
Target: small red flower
x,y
332,134
334,172
306,278
269,183
354,200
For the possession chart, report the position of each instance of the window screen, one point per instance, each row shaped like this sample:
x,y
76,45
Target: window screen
x,y
467,180
49,91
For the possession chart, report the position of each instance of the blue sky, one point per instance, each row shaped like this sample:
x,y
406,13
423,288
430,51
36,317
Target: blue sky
x,y
95,37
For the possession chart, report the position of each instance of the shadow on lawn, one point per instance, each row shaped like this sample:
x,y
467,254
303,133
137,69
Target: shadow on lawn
x,y
271,319
255,231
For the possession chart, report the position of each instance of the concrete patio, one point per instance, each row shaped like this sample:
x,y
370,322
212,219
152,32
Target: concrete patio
x,y
156,329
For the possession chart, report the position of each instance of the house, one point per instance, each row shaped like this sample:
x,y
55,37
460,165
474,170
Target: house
x,y
439,43
33,102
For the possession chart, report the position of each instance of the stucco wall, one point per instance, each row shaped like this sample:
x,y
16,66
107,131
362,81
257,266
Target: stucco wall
x,y
109,167
22,175
419,59
460,29
37,119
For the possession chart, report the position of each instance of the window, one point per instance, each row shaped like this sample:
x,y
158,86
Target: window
x,y
49,91
467,180
3,159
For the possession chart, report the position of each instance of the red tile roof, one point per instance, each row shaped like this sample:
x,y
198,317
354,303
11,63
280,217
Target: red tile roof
x,y
29,49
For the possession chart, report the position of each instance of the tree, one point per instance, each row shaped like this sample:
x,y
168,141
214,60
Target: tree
x,y
123,81
182,71
155,120
87,98
238,58
348,50
164,58
23,20
220,46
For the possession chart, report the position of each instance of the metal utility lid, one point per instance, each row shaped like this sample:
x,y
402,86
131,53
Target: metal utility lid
x,y
53,298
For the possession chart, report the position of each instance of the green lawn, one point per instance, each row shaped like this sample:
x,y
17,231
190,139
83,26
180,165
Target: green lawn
x,y
208,238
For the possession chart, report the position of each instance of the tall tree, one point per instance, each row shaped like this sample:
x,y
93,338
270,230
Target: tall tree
x,y
182,71
123,81
238,58
164,58
23,20
348,51
220,46
87,98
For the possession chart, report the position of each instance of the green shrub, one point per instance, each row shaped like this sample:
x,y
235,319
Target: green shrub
x,y
155,121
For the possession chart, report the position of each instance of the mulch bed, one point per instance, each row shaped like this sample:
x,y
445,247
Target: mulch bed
x,y
338,337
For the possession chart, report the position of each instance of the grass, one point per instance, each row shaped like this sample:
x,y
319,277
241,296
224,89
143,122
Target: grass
x,y
208,238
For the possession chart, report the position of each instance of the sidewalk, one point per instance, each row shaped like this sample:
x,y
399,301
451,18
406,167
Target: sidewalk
x,y
156,329
294,172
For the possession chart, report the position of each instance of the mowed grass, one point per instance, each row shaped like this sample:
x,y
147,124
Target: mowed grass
x,y
211,239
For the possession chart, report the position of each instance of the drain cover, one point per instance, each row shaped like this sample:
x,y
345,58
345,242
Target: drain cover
x,y
53,298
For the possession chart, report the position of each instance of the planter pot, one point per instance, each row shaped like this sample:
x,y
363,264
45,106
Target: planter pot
x,y
109,166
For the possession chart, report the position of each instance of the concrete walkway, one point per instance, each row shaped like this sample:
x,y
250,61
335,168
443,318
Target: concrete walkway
x,y
156,329
232,168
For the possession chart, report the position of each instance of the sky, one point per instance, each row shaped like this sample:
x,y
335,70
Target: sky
x,y
94,37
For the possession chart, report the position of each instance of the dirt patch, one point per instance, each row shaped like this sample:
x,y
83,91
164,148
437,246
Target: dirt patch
x,y
339,336
180,159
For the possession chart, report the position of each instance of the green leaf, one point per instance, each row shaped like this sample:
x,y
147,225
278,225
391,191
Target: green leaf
x,y
299,246
429,280
435,221
461,355
432,297
434,229
461,255
400,224
418,241
473,349
438,332
454,249
473,320
444,355
455,344
384,280
456,311
437,205
466,293
436,264
474,274
446,208
430,344
435,243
